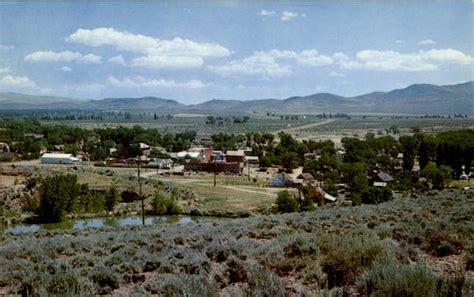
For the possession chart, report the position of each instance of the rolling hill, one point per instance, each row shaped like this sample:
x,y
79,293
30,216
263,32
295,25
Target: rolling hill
x,y
414,99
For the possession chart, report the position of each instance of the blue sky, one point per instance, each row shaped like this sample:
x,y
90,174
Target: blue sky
x,y
194,52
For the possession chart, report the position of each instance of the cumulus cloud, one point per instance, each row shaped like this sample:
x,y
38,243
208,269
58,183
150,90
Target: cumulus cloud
x,y
10,81
395,61
273,63
117,60
65,56
185,52
426,42
66,69
306,57
168,61
253,65
4,70
139,81
264,12
288,16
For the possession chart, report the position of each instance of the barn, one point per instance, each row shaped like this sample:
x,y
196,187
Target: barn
x,y
59,159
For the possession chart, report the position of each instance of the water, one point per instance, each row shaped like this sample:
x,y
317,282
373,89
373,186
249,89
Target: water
x,y
101,222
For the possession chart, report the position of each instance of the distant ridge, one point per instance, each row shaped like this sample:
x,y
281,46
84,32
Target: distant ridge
x,y
414,99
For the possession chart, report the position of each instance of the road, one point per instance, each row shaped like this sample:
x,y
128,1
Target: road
x,y
305,126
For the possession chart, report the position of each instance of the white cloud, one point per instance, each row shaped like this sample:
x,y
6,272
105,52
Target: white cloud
x,y
273,63
117,60
4,70
66,56
66,69
139,82
168,61
395,61
306,57
256,64
264,12
426,42
11,81
288,16
159,52
398,41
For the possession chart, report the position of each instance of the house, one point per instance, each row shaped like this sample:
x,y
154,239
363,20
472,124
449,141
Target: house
x,y
49,158
282,180
145,148
306,176
161,163
251,159
235,156
58,147
381,179
206,152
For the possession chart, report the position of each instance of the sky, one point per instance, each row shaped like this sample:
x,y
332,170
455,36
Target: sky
x,y
198,51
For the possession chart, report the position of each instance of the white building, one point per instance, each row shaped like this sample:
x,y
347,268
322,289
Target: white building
x,y
59,159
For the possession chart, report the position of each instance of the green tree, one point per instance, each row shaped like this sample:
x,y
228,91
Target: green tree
x,y
112,196
289,161
438,176
58,194
286,202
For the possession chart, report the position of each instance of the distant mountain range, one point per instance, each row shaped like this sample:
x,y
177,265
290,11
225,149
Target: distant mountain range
x,y
415,99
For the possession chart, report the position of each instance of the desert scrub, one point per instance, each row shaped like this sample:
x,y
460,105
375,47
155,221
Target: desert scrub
x,y
393,279
179,285
344,257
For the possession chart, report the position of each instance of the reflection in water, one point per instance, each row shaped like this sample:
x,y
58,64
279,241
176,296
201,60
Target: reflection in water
x,y
101,222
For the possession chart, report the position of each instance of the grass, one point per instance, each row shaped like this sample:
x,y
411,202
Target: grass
x,y
376,250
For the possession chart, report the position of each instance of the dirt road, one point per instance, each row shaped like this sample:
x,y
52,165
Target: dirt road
x,y
304,126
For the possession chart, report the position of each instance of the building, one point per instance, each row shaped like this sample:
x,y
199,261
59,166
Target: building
x,y
59,159
251,159
282,180
382,179
230,167
184,155
145,148
234,156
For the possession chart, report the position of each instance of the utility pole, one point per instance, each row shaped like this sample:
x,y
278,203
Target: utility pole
x,y
248,169
140,191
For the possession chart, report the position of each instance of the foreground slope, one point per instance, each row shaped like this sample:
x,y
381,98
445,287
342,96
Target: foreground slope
x,y
406,247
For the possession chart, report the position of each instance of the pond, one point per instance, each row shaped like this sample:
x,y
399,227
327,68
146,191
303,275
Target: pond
x,y
101,222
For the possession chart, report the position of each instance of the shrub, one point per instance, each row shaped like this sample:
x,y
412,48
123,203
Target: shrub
x,y
393,279
263,282
286,202
164,205
346,256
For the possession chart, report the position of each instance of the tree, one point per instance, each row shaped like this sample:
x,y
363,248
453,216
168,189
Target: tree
x,y
112,196
289,161
409,148
58,194
376,195
438,176
286,202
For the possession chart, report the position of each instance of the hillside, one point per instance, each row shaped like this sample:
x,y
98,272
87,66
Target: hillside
x,y
405,247
414,99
